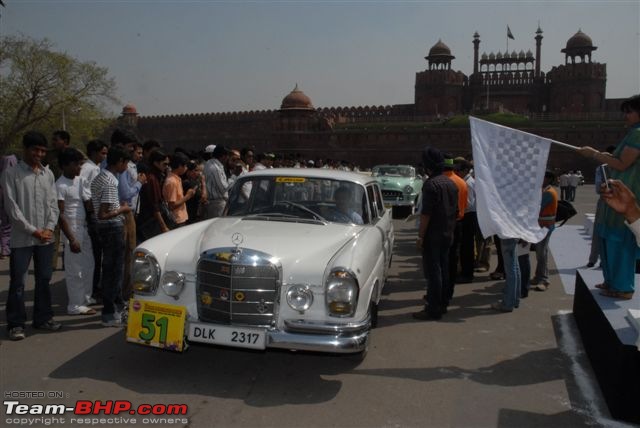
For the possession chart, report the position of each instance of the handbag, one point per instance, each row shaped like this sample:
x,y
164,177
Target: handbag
x,y
148,228
167,215
565,211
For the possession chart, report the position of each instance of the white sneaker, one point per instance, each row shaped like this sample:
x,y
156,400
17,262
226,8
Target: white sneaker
x,y
117,322
90,301
82,310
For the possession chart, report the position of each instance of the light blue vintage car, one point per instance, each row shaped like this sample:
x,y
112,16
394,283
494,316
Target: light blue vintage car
x,y
400,187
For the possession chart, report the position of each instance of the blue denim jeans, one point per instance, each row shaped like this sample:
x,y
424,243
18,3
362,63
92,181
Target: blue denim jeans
x,y
112,242
511,291
524,263
542,259
435,263
19,267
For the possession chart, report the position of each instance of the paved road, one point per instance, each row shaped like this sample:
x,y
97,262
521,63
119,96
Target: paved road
x,y
475,368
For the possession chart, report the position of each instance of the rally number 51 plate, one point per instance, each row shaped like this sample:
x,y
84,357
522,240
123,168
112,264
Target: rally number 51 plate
x,y
156,324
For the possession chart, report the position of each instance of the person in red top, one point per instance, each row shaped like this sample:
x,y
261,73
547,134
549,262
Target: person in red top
x,y
449,172
547,218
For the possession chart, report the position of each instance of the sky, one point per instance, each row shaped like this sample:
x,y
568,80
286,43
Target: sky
x,y
175,57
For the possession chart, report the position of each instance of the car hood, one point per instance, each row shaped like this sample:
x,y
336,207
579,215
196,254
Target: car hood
x,y
394,182
303,249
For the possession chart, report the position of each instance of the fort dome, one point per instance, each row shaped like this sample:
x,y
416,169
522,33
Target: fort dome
x,y
439,49
579,40
296,100
129,109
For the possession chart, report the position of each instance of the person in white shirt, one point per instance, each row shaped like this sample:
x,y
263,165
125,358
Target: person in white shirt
x,y
74,202
622,200
216,182
563,183
574,181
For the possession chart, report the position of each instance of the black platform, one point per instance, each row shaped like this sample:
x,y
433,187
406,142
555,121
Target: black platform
x,y
610,345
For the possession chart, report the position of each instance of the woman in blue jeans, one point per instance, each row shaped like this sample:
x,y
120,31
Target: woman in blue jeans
x,y
511,290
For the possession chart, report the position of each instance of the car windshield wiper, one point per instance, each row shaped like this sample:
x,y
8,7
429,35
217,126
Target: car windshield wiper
x,y
283,217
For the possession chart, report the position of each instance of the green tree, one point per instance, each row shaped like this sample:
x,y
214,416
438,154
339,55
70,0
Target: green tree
x,y
45,90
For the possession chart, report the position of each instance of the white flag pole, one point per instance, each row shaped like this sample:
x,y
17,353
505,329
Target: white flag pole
x,y
565,145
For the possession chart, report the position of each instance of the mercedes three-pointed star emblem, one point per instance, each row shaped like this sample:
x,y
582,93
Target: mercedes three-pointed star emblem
x,y
237,239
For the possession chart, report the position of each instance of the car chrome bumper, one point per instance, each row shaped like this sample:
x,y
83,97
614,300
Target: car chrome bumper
x,y
321,337
396,203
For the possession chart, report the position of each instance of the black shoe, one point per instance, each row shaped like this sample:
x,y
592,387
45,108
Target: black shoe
x,y
50,325
498,306
496,276
590,265
426,316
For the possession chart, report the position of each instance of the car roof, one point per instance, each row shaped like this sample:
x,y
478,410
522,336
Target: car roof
x,y
360,178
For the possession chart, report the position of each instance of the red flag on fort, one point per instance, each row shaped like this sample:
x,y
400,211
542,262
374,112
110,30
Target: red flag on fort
x,y
509,34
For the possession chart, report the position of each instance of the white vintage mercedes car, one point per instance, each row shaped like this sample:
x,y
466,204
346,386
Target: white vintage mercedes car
x,y
298,262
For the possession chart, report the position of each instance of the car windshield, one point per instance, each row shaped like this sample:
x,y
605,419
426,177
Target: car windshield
x,y
393,171
294,198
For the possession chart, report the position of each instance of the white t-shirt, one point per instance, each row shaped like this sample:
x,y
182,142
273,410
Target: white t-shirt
x,y
89,171
73,193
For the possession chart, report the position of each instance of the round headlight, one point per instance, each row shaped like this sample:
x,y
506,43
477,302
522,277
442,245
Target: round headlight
x,y
342,294
172,283
299,297
145,273
408,189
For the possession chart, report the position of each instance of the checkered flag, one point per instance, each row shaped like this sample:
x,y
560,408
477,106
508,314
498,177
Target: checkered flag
x,y
509,169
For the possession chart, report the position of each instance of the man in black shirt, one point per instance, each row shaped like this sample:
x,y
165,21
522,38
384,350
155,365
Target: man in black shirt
x,y
435,235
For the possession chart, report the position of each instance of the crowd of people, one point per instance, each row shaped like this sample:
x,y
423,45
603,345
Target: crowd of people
x,y
103,202
453,247
568,182
100,204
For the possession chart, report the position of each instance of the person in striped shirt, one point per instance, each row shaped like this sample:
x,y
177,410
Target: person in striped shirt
x,y
110,225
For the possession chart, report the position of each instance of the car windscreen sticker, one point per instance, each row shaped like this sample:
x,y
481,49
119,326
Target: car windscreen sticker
x,y
290,179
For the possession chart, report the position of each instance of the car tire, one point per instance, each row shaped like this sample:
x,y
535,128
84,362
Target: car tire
x,y
373,313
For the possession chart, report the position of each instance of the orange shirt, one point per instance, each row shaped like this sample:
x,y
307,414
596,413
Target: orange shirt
x,y
548,208
462,192
172,192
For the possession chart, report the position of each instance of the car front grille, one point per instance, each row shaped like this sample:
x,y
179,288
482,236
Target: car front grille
x,y
237,286
392,194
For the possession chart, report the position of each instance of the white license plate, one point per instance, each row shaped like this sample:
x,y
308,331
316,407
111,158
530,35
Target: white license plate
x,y
227,335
